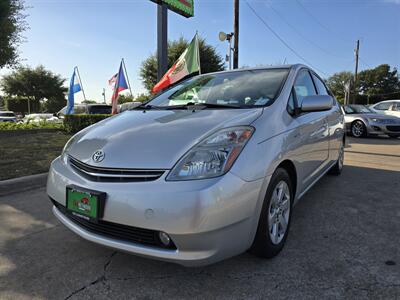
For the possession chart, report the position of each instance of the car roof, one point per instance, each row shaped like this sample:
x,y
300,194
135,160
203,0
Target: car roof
x,y
292,66
394,100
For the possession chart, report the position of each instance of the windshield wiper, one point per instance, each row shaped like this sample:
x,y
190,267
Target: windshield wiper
x,y
194,106
145,107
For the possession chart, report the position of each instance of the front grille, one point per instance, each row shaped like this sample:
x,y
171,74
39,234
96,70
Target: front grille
x,y
393,128
116,231
114,175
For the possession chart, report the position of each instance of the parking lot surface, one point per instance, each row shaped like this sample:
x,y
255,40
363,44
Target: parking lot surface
x,y
344,243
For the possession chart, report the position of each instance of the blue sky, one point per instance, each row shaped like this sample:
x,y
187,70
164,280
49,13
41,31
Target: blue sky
x,y
96,34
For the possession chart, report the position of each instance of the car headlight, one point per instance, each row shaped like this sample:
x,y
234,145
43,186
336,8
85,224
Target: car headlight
x,y
64,153
213,156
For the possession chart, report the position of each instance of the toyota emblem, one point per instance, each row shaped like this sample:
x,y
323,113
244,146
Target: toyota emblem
x,y
98,156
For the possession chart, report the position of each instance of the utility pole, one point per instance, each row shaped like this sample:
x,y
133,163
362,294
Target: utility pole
x,y
162,40
236,35
104,95
356,51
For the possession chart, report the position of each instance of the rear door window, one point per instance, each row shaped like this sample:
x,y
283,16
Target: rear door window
x,y
383,106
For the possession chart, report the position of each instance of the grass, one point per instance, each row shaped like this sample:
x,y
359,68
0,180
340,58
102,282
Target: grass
x,y
29,154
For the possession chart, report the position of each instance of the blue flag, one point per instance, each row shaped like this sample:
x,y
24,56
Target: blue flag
x,y
74,87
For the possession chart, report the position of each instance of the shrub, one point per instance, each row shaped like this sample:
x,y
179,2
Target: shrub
x,y
29,126
75,123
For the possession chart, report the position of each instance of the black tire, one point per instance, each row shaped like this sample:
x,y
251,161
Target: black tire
x,y
394,136
358,129
338,167
263,246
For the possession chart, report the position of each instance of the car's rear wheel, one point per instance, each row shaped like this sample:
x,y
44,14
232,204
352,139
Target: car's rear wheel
x,y
274,223
394,136
358,129
338,167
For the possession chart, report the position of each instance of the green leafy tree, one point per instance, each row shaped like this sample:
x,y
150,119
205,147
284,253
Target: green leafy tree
x,y
210,60
88,102
125,99
378,81
12,24
142,97
36,85
337,82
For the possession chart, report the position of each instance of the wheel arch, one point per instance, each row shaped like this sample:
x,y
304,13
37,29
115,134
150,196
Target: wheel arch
x,y
289,166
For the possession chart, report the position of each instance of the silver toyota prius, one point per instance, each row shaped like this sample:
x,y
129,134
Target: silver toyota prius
x,y
208,169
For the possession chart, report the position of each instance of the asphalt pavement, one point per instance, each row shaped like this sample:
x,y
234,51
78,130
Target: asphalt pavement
x,y
344,243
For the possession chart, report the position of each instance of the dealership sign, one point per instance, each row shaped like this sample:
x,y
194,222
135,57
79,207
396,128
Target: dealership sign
x,y
182,7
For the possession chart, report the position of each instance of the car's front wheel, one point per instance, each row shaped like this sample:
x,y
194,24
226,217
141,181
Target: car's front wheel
x,y
273,226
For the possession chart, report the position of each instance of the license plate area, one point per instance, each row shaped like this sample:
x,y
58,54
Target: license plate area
x,y
85,203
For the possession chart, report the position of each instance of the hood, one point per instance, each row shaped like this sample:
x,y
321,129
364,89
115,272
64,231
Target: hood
x,y
152,139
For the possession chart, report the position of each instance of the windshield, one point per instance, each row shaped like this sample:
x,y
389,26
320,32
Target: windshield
x,y
357,109
6,114
242,89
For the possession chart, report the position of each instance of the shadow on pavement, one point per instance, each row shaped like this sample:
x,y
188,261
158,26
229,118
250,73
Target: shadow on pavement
x,y
344,232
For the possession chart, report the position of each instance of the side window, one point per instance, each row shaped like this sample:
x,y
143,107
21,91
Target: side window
x,y
290,105
396,106
383,106
320,86
303,86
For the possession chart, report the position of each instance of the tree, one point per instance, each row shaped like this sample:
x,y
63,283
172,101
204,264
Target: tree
x,y
36,85
142,97
89,102
337,82
125,98
210,60
12,24
378,81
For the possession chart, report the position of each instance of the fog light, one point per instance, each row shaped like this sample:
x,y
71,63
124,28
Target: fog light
x,y
164,238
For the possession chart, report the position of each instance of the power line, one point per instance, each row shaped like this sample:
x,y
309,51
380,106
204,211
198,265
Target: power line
x,y
281,39
303,36
319,22
326,27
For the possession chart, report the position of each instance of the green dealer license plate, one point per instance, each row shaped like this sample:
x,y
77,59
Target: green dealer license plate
x,y
85,203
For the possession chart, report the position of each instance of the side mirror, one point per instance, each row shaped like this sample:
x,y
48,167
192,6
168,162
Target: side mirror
x,y
316,103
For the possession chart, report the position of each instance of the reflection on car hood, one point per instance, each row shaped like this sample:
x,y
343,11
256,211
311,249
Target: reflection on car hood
x,y
154,138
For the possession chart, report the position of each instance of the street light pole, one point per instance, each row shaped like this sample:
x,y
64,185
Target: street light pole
x,y
236,35
162,40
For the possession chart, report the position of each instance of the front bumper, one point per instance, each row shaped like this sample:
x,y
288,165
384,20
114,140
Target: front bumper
x,y
378,128
208,220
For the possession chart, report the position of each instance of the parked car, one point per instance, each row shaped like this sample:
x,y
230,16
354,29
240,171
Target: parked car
x,y
41,117
362,121
8,116
87,109
389,107
202,181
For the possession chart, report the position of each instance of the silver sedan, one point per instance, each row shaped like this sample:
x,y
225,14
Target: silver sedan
x,y
361,121
208,169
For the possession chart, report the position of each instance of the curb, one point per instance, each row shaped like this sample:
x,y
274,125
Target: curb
x,y
21,184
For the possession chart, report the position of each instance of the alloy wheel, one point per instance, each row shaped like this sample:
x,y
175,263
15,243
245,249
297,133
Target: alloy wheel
x,y
357,129
279,212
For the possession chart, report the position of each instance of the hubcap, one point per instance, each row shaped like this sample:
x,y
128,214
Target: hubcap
x,y
357,129
279,212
